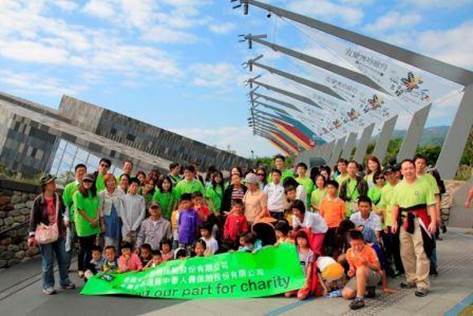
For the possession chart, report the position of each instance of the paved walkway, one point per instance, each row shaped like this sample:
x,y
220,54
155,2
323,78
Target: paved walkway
x,y
452,293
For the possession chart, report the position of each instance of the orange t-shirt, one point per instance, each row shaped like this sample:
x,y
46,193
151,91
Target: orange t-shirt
x,y
354,259
333,211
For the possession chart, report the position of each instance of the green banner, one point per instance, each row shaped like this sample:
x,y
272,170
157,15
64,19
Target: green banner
x,y
270,271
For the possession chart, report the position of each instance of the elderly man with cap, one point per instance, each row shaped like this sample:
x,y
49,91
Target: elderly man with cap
x,y
48,231
154,229
255,200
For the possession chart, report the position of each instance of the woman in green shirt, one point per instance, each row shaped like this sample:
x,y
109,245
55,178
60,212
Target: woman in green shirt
x,y
374,193
214,192
372,166
319,193
87,219
166,197
148,190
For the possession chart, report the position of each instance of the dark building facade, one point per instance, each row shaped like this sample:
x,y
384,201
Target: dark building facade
x,y
146,137
35,139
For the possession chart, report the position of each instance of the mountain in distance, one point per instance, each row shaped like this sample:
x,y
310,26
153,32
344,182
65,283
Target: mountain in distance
x,y
434,135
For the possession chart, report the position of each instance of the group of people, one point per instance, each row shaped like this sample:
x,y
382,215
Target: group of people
x,y
352,228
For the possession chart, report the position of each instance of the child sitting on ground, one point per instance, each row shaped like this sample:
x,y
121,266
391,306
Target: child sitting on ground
x,y
129,261
331,275
235,225
306,259
199,248
181,253
282,232
110,263
166,250
155,261
249,243
206,235
96,264
365,271
145,254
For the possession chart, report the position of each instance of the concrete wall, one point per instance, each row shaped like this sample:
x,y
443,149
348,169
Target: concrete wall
x,y
16,200
85,115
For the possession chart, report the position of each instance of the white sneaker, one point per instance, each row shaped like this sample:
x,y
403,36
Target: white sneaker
x,y
49,291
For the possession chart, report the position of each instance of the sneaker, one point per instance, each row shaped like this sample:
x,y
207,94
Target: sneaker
x,y
407,285
357,303
69,286
421,292
49,291
433,272
370,292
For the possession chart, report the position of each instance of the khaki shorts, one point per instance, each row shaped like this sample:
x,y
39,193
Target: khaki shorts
x,y
373,280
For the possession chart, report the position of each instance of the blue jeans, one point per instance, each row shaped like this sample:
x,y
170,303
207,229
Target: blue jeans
x,y
48,251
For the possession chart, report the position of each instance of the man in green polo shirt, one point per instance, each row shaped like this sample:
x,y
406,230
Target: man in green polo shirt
x,y
104,166
175,172
280,164
352,188
80,170
414,203
342,171
189,184
304,180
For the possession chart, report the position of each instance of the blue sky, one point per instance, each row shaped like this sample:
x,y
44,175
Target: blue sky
x,y
177,63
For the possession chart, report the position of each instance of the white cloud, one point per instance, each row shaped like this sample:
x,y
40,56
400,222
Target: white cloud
x,y
100,8
222,28
435,4
28,34
36,84
453,45
66,5
237,137
394,19
220,75
328,10
161,34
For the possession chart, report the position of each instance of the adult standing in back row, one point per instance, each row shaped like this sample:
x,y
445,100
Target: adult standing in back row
x,y
86,204
352,188
414,201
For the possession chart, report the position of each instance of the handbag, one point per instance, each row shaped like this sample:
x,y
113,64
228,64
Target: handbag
x,y
47,234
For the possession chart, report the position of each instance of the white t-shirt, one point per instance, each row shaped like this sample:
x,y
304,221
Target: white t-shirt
x,y
211,244
314,221
373,221
276,197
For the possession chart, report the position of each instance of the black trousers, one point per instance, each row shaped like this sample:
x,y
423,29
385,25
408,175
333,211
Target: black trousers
x,y
85,251
392,250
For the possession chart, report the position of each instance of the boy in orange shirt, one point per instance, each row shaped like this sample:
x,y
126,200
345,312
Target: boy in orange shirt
x,y
365,271
332,209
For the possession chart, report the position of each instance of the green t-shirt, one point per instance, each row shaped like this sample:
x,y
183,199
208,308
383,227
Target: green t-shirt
x,y
411,194
374,193
427,177
215,196
175,179
286,173
185,186
100,183
308,186
387,203
166,202
353,195
67,194
90,205
317,196
340,178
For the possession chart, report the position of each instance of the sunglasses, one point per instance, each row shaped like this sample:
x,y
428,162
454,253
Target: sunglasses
x,y
104,165
260,174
